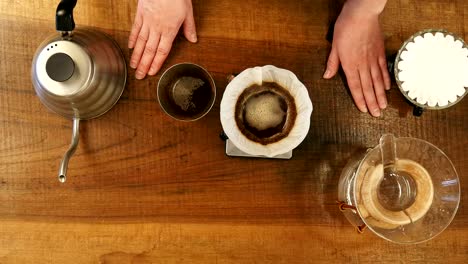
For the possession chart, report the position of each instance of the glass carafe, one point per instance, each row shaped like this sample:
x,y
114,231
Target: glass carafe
x,y
410,203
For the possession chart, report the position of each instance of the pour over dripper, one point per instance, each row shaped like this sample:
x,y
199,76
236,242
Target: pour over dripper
x,y
404,190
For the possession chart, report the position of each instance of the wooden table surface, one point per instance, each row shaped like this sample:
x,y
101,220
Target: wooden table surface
x,y
144,188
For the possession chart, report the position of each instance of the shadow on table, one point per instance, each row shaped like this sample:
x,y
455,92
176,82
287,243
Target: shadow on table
x,y
314,177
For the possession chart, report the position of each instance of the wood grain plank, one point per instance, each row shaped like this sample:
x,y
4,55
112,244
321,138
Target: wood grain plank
x,y
218,243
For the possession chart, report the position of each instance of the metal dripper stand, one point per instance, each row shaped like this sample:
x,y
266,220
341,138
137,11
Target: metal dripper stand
x,y
233,151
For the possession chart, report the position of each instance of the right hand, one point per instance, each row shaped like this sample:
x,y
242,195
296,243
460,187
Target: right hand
x,y
156,25
359,47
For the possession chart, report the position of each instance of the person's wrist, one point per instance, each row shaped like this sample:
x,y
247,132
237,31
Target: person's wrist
x,y
365,7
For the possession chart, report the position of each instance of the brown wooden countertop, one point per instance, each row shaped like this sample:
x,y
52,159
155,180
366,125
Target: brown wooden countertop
x,y
144,188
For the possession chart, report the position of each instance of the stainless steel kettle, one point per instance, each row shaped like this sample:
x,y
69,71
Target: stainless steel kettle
x,y
79,74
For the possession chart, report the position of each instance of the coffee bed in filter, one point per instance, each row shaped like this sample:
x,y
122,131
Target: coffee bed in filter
x,y
239,142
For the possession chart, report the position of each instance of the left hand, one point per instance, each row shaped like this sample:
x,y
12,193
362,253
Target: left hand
x,y
156,25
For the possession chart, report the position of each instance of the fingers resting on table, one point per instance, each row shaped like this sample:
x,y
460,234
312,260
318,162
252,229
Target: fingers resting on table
x,y
155,27
358,47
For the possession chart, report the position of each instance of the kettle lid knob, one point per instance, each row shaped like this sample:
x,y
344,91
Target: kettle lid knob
x,y
60,67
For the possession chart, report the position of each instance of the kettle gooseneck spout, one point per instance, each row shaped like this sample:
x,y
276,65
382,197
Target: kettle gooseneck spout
x,y
62,175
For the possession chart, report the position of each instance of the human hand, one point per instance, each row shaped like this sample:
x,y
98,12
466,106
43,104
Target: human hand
x,y
156,25
359,47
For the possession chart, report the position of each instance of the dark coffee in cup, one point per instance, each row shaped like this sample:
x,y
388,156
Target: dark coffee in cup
x,y
265,113
186,92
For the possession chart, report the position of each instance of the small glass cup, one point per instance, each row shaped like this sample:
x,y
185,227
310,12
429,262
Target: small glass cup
x,y
186,92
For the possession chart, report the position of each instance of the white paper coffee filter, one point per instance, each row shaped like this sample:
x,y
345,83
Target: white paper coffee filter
x,y
433,69
257,76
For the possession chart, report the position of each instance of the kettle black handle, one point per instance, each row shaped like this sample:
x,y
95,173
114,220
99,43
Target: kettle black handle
x,y
64,16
